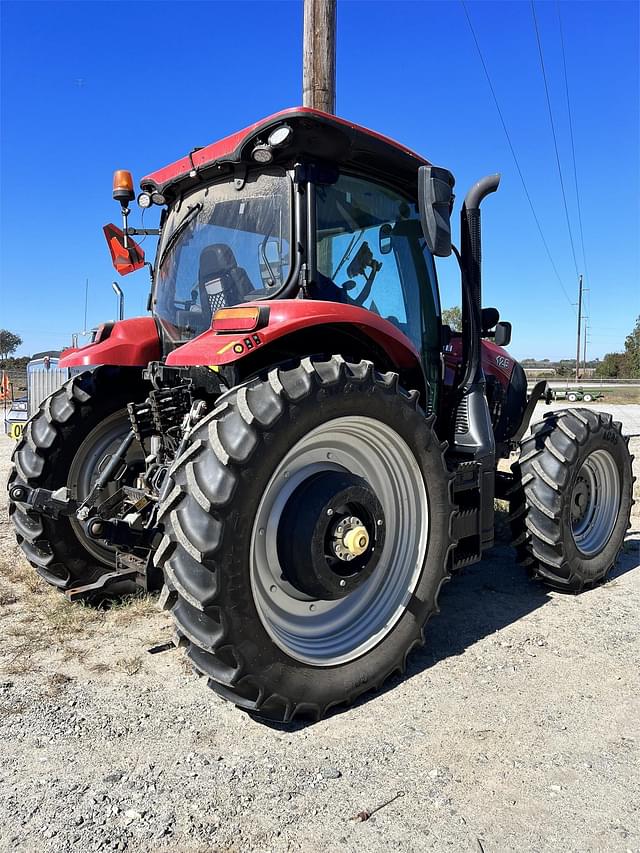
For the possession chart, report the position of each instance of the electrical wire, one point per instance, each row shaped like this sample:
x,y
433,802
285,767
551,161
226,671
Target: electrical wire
x,y
553,132
573,149
514,155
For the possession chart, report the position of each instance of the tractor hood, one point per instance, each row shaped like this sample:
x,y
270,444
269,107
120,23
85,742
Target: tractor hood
x,y
312,134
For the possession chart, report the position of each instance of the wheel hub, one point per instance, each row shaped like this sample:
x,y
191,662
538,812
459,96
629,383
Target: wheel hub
x,y
595,502
351,538
330,535
581,499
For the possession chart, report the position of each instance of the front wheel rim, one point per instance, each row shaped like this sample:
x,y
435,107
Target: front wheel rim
x,y
84,471
325,633
595,502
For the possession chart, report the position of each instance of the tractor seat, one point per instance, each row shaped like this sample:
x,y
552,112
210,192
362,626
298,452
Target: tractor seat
x,y
222,282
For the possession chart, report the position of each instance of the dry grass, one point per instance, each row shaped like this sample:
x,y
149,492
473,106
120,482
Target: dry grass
x,y
41,620
131,666
133,607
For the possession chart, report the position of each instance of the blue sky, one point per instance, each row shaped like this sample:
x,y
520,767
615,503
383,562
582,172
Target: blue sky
x,y
93,86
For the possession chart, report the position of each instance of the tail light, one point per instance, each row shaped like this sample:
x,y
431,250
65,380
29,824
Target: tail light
x,y
240,319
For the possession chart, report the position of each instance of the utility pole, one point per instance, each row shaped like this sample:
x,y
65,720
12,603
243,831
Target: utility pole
x,y
579,327
584,356
319,55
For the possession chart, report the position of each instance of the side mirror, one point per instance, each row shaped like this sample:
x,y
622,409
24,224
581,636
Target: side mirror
x,y
489,317
435,200
502,336
124,259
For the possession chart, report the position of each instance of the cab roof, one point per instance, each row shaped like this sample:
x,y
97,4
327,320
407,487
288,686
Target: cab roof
x,y
316,135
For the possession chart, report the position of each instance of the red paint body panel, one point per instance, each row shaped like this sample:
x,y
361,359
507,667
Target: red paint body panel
x,y
291,315
225,148
496,361
132,343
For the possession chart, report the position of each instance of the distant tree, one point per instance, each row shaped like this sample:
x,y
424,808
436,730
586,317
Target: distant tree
x,y
612,366
453,317
632,353
9,342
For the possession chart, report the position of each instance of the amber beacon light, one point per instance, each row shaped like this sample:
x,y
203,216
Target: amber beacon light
x,y
123,186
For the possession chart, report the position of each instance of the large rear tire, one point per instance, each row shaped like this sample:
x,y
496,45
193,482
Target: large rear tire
x,y
572,498
307,527
63,445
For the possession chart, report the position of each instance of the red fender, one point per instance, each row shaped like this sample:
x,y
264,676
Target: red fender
x,y
291,315
128,343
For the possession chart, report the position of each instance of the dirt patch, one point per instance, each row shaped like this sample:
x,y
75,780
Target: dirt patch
x,y
516,727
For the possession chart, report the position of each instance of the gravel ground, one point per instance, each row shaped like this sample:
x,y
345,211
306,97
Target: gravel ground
x,y
517,727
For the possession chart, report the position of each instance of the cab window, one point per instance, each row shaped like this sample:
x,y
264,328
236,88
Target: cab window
x,y
371,253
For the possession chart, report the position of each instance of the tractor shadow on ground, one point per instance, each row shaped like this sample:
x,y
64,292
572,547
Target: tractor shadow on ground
x,y
476,603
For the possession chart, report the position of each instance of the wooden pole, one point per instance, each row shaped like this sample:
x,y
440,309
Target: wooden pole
x,y
319,55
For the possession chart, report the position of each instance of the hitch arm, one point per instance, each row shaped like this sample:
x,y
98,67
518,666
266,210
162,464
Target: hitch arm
x,y
114,463
54,504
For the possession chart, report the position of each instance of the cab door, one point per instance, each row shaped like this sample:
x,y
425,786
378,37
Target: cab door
x,y
371,253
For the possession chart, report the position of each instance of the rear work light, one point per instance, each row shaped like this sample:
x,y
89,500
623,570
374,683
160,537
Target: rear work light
x,y
240,319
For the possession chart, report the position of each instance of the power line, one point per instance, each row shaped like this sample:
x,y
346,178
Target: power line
x,y
553,132
513,154
573,149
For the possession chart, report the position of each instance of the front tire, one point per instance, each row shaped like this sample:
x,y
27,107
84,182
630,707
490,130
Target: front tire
x,y
307,527
572,498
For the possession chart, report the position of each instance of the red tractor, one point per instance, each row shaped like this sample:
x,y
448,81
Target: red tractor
x,y
292,445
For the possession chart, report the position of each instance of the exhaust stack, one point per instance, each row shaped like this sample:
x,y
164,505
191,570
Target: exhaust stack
x,y
471,244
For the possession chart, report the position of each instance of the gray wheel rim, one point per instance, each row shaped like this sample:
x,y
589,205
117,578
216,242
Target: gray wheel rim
x,y
595,502
323,633
83,473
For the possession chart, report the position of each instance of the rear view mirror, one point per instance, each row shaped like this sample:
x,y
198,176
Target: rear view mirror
x,y
502,336
435,199
384,238
127,258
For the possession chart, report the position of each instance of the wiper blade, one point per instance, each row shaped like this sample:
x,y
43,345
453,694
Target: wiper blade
x,y
191,212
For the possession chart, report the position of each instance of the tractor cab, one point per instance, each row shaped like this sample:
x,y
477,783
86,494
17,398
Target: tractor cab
x,y
301,206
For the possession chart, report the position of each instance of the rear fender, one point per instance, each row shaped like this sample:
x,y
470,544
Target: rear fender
x,y
288,320
127,343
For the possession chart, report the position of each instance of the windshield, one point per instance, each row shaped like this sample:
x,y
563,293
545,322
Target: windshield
x,y
222,246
